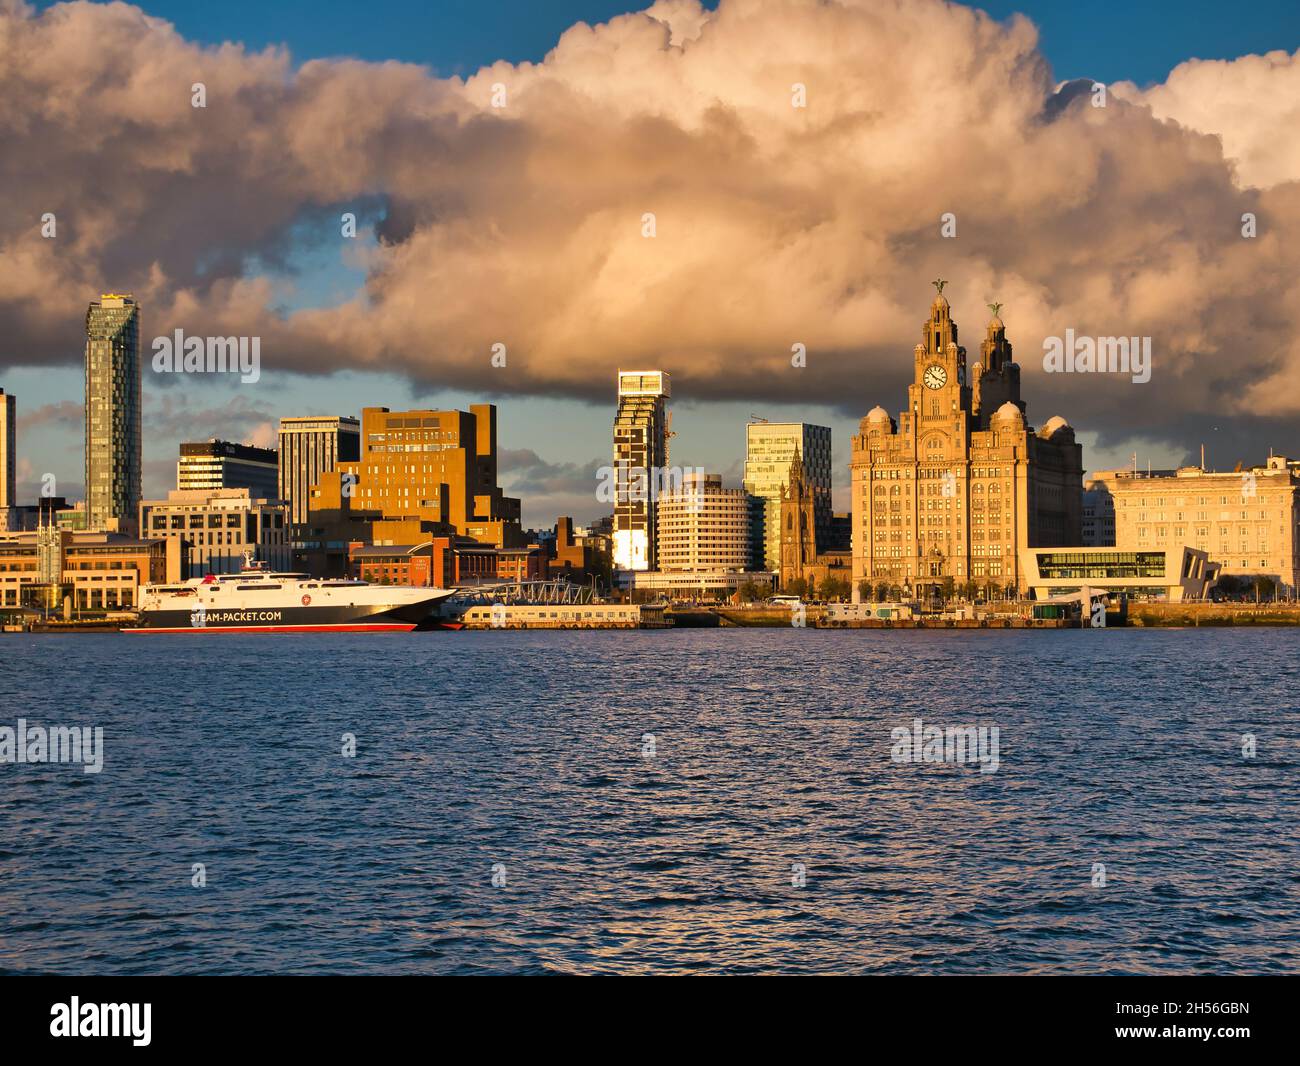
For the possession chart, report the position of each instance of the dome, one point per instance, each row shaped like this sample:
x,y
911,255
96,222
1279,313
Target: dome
x,y
995,323
1008,412
1054,425
877,414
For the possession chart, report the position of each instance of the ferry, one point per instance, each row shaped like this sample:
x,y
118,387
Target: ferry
x,y
259,600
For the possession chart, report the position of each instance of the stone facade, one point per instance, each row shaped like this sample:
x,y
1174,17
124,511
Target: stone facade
x,y
961,482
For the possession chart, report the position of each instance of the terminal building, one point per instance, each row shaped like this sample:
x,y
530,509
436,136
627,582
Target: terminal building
x,y
1175,574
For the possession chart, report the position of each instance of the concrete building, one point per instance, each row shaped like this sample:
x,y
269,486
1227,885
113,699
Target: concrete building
x,y
640,457
309,447
961,483
213,529
770,451
425,471
1247,520
1174,573
702,526
113,412
218,464
93,571
8,458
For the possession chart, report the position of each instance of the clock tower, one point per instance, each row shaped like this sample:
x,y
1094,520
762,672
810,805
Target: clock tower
x,y
951,492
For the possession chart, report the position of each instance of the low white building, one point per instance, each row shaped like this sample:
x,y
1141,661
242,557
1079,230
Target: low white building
x,y
1173,573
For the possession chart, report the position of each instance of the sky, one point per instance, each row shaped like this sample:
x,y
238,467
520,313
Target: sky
x,y
524,227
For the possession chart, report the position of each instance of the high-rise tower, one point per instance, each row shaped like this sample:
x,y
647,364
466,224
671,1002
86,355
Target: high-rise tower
x,y
640,455
113,413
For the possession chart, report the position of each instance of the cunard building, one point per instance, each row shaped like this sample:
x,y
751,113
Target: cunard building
x,y
960,482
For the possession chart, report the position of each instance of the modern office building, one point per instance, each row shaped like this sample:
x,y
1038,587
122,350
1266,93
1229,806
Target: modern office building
x,y
703,526
215,528
1246,520
220,464
309,447
640,458
113,412
92,571
8,457
961,483
770,452
1174,573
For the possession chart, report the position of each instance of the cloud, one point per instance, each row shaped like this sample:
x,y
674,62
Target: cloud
x,y
774,224
1252,104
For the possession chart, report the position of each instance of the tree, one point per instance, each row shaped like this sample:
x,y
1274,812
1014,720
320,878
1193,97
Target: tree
x,y
1229,586
748,592
949,587
797,587
1265,589
864,591
969,590
835,588
882,592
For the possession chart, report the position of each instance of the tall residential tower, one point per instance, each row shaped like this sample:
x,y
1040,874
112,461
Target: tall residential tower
x,y
640,455
113,413
8,460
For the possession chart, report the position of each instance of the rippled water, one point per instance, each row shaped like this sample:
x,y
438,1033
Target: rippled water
x,y
772,748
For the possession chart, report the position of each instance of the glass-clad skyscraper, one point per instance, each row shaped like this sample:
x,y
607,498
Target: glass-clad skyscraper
x,y
113,413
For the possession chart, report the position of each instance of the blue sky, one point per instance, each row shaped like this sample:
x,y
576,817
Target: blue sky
x,y
1103,39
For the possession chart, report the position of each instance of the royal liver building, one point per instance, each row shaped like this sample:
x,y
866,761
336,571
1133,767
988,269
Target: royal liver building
x,y
961,482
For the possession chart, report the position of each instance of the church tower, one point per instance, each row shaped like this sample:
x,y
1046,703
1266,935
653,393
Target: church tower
x,y
798,525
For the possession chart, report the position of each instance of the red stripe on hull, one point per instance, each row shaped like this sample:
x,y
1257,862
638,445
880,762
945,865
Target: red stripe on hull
x,y
360,627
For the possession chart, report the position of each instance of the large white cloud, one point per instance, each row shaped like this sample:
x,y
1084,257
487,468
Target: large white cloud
x,y
775,224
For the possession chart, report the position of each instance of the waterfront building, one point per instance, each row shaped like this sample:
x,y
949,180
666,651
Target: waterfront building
x,y
113,412
961,483
640,457
92,571
710,585
770,451
8,458
310,446
702,526
446,562
802,557
1098,515
1174,573
424,471
213,529
1247,520
220,464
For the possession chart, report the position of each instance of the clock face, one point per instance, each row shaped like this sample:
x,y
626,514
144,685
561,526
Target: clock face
x,y
935,376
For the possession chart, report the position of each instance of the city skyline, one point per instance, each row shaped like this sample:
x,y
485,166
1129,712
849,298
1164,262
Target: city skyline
x,y
234,277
